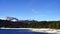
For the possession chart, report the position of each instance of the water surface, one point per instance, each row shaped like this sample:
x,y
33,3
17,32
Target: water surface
x,y
18,31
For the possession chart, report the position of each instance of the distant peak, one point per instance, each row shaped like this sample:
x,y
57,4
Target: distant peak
x,y
10,18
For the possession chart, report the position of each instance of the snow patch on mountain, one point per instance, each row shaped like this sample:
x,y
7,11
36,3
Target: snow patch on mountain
x,y
10,18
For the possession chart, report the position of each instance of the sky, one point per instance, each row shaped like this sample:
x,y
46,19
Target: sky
x,y
31,9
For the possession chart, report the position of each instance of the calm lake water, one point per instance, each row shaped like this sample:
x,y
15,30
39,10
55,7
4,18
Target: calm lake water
x,y
18,31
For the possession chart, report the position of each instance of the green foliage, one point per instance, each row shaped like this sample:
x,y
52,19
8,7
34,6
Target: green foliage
x,y
32,24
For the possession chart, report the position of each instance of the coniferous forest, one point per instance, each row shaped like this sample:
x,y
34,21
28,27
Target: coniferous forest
x,y
30,24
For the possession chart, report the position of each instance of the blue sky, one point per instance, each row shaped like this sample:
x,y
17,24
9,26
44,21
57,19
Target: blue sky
x,y
31,9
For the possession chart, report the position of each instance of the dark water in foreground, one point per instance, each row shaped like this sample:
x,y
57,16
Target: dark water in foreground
x,y
18,31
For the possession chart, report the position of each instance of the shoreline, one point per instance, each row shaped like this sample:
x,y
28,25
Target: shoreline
x,y
43,30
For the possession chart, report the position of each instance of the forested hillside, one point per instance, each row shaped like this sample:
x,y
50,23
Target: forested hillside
x,y
30,24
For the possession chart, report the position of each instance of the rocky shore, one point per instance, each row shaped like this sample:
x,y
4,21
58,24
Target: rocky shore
x,y
46,30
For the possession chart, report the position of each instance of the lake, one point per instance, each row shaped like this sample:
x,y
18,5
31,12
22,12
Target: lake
x,y
18,31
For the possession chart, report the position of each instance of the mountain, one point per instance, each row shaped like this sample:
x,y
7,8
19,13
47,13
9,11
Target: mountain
x,y
10,19
17,20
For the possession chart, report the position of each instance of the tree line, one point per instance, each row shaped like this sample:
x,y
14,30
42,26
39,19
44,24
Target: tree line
x,y
30,24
